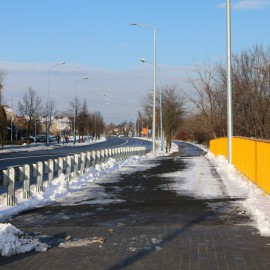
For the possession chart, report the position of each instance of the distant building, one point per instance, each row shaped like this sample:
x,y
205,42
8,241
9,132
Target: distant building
x,y
9,112
59,125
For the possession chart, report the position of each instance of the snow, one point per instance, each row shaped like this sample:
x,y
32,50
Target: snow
x,y
13,241
208,177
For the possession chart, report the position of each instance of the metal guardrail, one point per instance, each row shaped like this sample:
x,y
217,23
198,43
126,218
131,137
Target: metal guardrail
x,y
72,166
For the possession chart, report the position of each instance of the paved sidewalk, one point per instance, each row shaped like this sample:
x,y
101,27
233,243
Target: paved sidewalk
x,y
150,227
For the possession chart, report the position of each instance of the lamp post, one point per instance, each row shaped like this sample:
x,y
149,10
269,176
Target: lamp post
x,y
75,109
154,86
48,101
160,105
229,85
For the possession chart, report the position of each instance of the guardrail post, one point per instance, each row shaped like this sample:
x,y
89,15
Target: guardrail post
x,y
50,170
46,169
93,158
56,167
21,173
39,186
34,172
76,161
98,156
82,168
117,153
113,153
68,168
60,166
106,155
102,156
64,164
11,187
26,182
88,159
5,177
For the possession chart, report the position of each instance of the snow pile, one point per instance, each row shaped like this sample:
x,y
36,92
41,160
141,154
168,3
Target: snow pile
x,y
13,241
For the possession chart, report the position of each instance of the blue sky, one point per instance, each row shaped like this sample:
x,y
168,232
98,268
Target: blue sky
x,y
95,39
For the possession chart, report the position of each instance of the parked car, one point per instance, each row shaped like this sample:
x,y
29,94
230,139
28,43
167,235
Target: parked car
x,y
29,139
53,138
40,138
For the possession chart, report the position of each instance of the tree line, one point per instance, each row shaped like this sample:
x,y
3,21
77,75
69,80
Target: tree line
x,y
198,112
250,98
31,108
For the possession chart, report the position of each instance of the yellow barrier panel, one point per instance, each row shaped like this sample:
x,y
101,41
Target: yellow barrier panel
x,y
251,157
263,159
219,147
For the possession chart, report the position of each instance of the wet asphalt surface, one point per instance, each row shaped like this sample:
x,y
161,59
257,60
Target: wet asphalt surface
x,y
148,226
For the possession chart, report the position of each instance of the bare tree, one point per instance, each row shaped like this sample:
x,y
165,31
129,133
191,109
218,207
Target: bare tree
x,y
208,97
251,95
99,124
50,111
251,82
173,113
29,107
82,120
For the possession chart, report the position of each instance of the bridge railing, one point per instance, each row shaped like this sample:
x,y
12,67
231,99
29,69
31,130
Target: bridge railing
x,y
41,174
250,156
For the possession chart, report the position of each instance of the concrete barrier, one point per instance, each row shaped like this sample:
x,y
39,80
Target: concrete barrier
x,y
71,165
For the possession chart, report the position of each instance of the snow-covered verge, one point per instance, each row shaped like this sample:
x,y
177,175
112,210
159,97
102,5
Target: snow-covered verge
x,y
256,202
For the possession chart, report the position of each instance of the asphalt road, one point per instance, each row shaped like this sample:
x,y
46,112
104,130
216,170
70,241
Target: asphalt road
x,y
30,156
144,224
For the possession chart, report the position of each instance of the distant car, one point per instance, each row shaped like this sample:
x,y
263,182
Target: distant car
x,y
53,138
29,139
40,138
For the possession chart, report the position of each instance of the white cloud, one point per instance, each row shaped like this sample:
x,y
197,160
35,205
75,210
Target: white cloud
x,y
247,4
124,89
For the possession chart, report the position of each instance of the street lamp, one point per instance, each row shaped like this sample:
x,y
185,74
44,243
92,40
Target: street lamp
x,y
49,82
75,108
154,85
160,105
229,85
